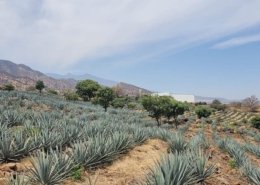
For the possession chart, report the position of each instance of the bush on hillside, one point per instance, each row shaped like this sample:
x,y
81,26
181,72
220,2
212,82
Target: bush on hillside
x,y
131,105
71,96
52,91
8,87
119,102
255,122
203,112
216,104
200,103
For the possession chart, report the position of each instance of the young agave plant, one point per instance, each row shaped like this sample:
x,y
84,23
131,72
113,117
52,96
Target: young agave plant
x,y
177,143
100,150
201,169
237,153
172,169
51,169
198,141
12,148
252,173
48,140
254,149
12,118
140,136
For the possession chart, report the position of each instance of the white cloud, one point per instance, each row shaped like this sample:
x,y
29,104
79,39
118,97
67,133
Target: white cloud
x,y
58,34
237,41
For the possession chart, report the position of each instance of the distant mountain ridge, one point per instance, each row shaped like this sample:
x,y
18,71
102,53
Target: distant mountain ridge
x,y
23,77
210,99
131,90
102,81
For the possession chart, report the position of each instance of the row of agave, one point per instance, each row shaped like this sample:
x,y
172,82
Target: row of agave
x,y
47,135
253,134
254,149
189,168
88,136
186,164
54,166
237,152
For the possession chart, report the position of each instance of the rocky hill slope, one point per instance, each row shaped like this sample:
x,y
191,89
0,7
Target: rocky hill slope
x,y
23,77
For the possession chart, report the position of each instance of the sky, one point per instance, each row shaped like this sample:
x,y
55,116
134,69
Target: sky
x,y
202,47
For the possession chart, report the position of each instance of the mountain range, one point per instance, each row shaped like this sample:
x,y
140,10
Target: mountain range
x,y
24,77
102,81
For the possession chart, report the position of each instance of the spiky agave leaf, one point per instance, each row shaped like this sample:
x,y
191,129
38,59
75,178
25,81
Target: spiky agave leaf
x,y
100,150
51,169
252,173
237,153
140,136
177,143
17,179
12,118
13,147
48,139
254,149
198,160
173,169
198,141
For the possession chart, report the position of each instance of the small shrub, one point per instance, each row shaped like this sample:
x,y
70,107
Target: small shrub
x,y
77,173
71,96
119,102
232,163
8,87
217,105
255,122
52,91
203,112
131,105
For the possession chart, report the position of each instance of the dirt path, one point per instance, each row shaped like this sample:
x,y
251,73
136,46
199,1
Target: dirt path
x,y
131,168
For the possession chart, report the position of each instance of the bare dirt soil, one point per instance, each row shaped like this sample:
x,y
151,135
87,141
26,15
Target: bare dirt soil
x,y
131,168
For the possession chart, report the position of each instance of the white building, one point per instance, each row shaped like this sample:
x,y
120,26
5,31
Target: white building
x,y
178,97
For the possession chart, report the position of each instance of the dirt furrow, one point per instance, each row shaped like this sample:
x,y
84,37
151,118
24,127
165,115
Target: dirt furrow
x,y
131,168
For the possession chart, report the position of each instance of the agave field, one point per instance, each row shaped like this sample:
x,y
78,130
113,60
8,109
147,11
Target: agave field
x,y
47,140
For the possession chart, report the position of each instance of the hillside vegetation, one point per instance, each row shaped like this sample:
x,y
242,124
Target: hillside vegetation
x,y
48,140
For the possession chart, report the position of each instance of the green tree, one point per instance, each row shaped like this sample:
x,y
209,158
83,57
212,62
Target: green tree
x,y
39,85
87,89
173,109
216,104
155,106
105,96
203,112
8,87
119,102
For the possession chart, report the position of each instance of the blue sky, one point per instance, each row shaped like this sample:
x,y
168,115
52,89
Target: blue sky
x,y
208,48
